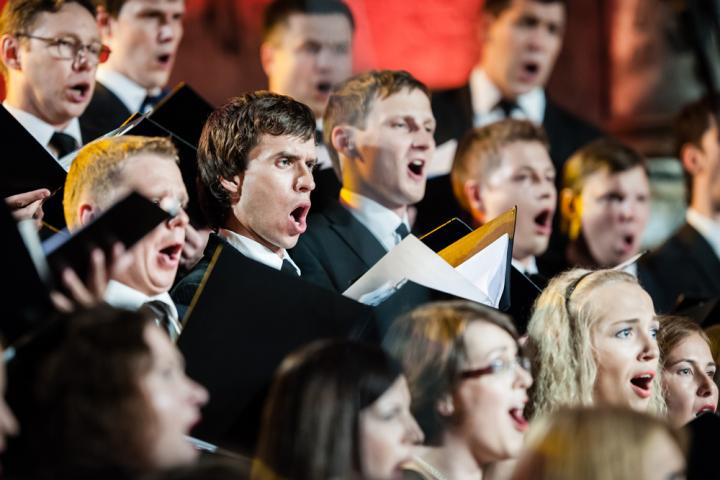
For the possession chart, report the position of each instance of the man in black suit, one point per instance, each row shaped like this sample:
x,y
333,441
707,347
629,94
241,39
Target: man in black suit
x,y
378,127
255,162
144,36
306,50
50,51
688,263
520,43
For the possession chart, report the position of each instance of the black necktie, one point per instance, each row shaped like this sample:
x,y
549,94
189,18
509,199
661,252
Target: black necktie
x,y
287,267
507,107
63,143
163,316
318,137
150,101
402,231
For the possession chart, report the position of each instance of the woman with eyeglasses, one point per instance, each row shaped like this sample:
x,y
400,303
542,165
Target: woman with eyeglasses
x,y
592,337
468,384
688,370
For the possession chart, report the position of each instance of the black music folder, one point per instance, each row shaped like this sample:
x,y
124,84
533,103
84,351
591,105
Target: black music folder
x,y
28,166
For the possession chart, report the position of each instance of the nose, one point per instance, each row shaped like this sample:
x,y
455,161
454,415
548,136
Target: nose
x,y
413,433
167,30
82,60
706,387
181,220
523,378
423,140
305,182
197,394
324,58
650,350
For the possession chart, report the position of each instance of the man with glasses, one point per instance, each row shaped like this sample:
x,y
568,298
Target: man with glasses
x,y
50,51
144,36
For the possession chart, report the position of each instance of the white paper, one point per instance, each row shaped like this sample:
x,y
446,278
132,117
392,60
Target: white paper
x,y
487,268
413,260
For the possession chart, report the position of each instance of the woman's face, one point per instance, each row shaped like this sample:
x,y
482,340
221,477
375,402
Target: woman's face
x,y
174,399
687,379
490,399
663,459
387,432
624,345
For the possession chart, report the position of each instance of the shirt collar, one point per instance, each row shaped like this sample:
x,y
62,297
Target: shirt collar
x,y
530,269
130,93
121,296
707,227
485,97
255,250
381,221
43,131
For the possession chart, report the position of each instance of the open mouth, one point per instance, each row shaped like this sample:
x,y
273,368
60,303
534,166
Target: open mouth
x,y
543,221
531,68
79,91
324,87
164,59
705,409
172,252
298,217
417,167
518,418
642,384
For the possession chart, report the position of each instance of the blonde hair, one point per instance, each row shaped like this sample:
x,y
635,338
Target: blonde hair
x,y
560,341
96,173
604,443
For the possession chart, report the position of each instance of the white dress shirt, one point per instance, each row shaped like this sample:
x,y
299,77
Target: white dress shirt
x,y
707,227
485,97
121,296
258,252
530,269
131,94
43,131
381,222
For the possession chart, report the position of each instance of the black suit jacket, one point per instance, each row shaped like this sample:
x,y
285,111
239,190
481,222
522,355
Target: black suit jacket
x,y
336,249
684,264
104,113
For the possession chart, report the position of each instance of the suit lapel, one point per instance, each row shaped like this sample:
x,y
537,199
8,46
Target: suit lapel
x,y
355,235
703,255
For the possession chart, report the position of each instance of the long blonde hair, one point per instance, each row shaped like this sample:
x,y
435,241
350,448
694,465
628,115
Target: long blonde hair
x,y
560,341
604,443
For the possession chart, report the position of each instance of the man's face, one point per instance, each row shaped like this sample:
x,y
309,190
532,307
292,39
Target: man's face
x,y
144,39
614,212
55,89
274,192
710,144
389,156
526,178
310,55
521,44
156,257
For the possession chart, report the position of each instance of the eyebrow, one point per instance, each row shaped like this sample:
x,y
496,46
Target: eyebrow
x,y
694,362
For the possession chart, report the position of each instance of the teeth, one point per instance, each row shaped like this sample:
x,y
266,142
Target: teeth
x,y
419,163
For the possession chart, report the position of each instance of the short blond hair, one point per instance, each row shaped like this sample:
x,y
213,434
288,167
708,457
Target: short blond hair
x,y
96,173
480,151
559,339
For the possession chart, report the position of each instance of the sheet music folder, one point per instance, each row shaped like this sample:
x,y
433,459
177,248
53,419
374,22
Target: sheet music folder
x,y
28,166
243,320
181,116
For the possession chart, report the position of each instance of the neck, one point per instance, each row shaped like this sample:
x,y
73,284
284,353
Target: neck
x,y
525,261
486,67
702,203
234,225
15,98
453,459
357,188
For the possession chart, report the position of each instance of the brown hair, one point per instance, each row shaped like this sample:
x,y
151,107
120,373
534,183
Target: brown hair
x,y
96,172
353,99
480,151
673,330
278,12
91,409
496,7
232,131
429,342
18,16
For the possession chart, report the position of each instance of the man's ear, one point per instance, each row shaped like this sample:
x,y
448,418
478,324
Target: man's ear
x,y
343,141
483,27
86,214
267,57
692,159
473,195
445,405
10,51
233,186
571,212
